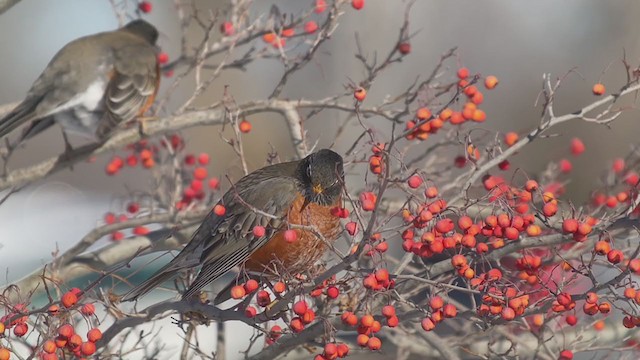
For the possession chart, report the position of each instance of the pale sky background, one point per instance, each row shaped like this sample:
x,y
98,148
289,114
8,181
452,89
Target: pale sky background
x,y
516,41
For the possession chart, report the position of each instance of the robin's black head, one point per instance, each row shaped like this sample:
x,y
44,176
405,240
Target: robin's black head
x,y
322,176
144,30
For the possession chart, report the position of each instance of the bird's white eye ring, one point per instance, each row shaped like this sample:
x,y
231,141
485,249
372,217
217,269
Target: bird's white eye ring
x,y
309,171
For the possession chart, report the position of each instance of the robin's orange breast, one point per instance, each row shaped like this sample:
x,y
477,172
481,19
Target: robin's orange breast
x,y
298,256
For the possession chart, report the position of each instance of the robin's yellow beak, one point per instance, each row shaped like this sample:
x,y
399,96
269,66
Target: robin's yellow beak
x,y
317,189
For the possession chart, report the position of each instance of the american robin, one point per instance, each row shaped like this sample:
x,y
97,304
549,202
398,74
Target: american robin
x,y
299,192
92,84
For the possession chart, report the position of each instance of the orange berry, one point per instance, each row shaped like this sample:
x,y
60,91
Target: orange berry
x,y
219,210
374,343
360,94
362,340
94,335
279,287
423,113
414,181
450,311
479,115
427,324
490,82
598,89
4,354
463,73
88,348
511,138
69,299
238,292
367,320
269,38
244,126
49,347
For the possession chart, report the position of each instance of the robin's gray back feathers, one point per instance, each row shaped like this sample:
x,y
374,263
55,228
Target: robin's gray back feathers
x,y
92,84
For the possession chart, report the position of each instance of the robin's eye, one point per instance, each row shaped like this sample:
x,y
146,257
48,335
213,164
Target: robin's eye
x,y
309,172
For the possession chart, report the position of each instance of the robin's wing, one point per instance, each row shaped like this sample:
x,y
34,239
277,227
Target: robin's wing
x,y
222,242
232,242
132,86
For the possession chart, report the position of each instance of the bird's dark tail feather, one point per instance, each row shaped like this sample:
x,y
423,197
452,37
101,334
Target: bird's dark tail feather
x,y
161,276
23,113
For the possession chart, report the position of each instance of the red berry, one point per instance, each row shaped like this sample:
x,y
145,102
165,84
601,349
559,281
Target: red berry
x,y
244,126
259,231
598,89
250,312
565,166
351,227
200,173
320,6
226,28
110,218
88,309
414,182
463,73
203,159
117,236
404,48
251,285
577,146
263,298
49,347
145,6
238,292
133,207
69,299
300,307
360,94
566,355
310,27
219,210
357,4
214,183
88,348
427,324
94,335
333,292
279,287
20,330
66,331
374,343
290,236
163,58
189,159
388,311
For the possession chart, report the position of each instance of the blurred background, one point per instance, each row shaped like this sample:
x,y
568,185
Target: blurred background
x,y
516,41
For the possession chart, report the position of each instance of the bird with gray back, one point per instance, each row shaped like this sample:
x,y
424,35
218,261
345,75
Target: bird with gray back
x,y
92,85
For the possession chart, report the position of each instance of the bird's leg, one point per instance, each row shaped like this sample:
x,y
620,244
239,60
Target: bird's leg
x,y
68,149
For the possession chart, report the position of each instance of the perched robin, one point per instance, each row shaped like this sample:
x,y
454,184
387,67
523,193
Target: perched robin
x,y
299,192
92,84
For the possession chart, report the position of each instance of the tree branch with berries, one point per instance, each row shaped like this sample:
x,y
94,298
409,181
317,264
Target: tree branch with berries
x,y
445,249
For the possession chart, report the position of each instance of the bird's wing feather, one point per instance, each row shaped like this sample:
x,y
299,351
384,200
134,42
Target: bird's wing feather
x,y
222,242
132,86
22,114
232,242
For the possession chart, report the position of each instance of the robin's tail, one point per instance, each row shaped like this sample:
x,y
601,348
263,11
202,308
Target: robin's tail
x,y
162,275
22,114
